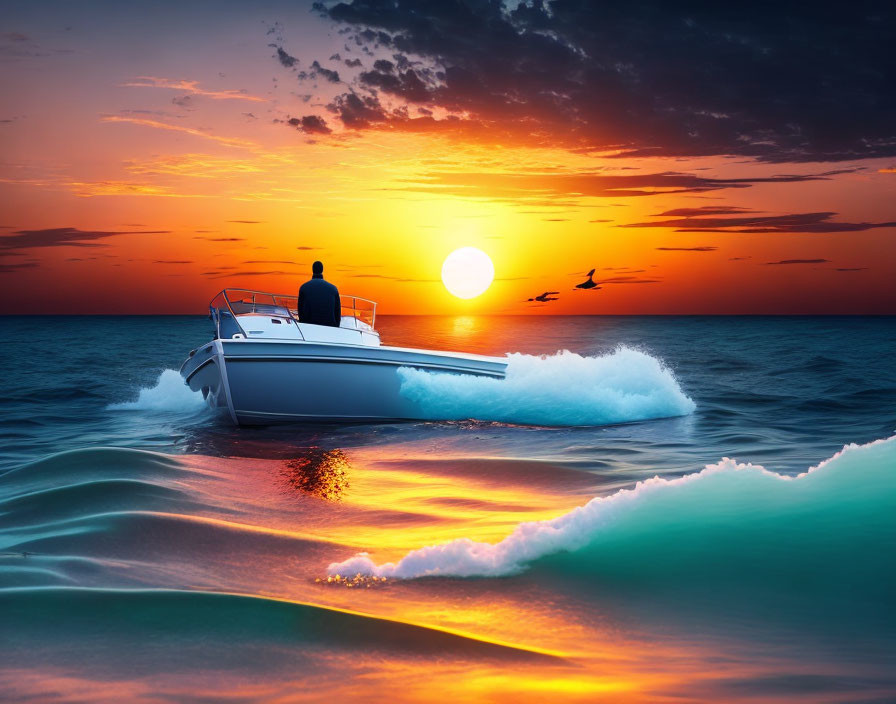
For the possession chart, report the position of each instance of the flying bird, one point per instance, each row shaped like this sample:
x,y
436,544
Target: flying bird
x,y
544,297
589,283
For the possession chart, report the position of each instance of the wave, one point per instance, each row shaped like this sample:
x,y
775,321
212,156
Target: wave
x,y
168,394
560,390
833,526
108,616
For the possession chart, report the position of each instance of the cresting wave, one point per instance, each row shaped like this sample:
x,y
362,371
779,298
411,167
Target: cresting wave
x,y
560,389
169,394
832,527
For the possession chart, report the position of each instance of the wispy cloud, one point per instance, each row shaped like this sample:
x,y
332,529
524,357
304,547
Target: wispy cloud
x,y
191,87
145,122
566,189
746,222
798,261
13,268
63,237
686,249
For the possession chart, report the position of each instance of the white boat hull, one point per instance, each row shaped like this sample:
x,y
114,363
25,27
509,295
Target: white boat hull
x,y
262,382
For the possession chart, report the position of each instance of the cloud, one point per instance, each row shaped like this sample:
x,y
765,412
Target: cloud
x,y
628,280
646,79
184,101
213,275
221,239
172,261
285,59
798,261
854,268
13,268
63,237
310,124
247,222
227,141
703,211
269,261
747,223
397,279
307,249
547,188
686,249
191,87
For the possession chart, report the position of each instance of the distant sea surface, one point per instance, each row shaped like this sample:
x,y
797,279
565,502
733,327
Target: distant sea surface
x,y
647,509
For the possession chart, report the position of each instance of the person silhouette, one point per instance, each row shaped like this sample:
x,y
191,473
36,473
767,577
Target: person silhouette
x,y
319,302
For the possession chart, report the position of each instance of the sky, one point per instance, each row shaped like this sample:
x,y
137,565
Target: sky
x,y
703,159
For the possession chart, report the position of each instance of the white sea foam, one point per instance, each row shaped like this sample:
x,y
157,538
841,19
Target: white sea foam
x,y
560,389
169,394
730,521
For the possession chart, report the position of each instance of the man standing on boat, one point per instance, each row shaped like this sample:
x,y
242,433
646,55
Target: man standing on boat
x,y
319,300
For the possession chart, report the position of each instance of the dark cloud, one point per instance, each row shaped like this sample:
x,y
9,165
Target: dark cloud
x,y
804,82
172,261
854,268
798,261
738,259
268,261
544,189
247,222
686,249
310,124
285,59
12,268
63,237
397,279
216,275
320,71
628,280
700,212
358,111
221,239
746,223
307,249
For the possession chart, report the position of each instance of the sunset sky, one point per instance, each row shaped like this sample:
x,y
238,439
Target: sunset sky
x,y
708,160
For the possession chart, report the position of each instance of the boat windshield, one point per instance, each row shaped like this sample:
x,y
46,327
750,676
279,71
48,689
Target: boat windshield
x,y
357,312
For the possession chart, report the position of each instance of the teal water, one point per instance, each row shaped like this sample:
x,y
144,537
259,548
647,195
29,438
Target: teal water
x,y
151,551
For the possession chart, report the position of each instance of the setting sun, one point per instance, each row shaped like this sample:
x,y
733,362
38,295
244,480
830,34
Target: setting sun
x,y
467,272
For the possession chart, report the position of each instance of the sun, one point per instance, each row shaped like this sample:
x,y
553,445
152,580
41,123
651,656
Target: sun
x,y
467,272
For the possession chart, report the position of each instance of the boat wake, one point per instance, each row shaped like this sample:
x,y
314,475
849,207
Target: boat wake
x,y
169,394
557,390
830,528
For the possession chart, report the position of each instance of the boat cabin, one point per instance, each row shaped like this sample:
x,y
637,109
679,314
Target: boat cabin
x,y
240,314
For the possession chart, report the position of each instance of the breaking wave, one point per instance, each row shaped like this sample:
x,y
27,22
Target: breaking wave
x,y
560,389
169,394
832,527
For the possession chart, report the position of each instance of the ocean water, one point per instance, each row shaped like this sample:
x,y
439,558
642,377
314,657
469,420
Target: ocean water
x,y
667,509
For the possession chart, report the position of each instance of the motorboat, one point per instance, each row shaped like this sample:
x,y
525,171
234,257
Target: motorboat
x,y
266,366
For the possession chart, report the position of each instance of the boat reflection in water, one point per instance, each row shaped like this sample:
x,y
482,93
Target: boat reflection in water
x,y
321,473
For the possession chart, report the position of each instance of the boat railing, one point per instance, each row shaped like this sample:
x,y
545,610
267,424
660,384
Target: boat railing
x,y
232,302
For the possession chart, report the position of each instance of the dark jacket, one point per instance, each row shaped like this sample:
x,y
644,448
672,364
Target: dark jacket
x,y
319,302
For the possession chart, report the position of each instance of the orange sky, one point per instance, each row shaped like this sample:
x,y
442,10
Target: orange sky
x,y
135,125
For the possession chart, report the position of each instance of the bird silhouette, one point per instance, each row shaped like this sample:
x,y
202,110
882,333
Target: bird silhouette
x,y
589,283
544,297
